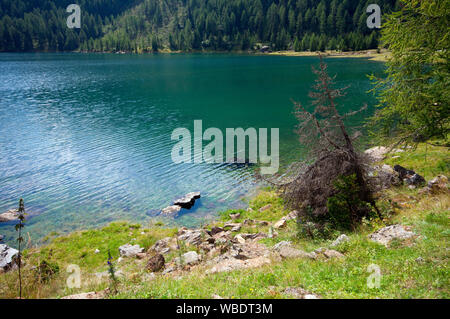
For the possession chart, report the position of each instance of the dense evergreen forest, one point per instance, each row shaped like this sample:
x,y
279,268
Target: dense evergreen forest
x,y
152,25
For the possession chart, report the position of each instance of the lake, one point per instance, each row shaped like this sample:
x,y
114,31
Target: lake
x,y
85,139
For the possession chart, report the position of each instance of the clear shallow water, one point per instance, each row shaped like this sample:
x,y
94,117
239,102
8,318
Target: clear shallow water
x,y
85,139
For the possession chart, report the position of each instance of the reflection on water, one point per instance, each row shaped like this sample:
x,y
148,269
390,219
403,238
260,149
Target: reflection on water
x,y
85,139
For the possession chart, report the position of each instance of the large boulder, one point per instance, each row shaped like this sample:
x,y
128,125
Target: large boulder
x,y
409,176
439,184
162,246
377,153
156,263
130,250
188,200
8,259
288,252
385,235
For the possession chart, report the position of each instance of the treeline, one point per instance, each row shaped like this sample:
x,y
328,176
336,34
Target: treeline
x,y
150,25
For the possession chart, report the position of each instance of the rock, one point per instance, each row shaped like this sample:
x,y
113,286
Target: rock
x,y
8,257
188,200
130,251
141,255
239,239
234,227
292,215
216,230
189,258
290,252
385,235
420,260
155,263
387,176
300,293
272,233
96,251
342,238
280,224
253,236
403,172
235,216
162,246
329,253
377,153
438,184
415,180
87,295
171,211
235,264
264,208
2,237
192,237
282,244
168,270
214,296
9,216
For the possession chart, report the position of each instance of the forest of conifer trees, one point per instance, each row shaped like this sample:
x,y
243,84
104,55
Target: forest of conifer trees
x,y
186,25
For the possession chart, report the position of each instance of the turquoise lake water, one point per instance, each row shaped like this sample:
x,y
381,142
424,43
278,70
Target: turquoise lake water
x,y
85,139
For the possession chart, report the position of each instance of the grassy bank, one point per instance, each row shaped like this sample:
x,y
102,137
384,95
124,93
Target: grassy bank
x,y
415,268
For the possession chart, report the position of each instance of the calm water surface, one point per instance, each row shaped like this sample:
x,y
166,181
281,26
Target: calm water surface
x,y
85,139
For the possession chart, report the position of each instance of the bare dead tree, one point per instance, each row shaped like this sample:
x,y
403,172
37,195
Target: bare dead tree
x,y
331,154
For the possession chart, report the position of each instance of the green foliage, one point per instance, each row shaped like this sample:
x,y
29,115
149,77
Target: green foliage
x,y
414,97
46,270
345,208
149,25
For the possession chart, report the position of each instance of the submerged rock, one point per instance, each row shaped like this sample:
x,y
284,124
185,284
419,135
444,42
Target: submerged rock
x,y
171,211
7,258
9,216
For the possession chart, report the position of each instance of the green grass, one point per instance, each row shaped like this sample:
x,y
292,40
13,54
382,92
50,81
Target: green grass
x,y
402,275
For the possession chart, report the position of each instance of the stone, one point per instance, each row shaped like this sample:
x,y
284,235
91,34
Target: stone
x,y
403,172
235,264
141,255
290,252
420,260
292,215
171,211
282,244
300,293
239,239
192,237
255,236
188,200
385,235
9,216
168,270
189,258
162,246
438,184
155,263
130,250
214,296
264,208
87,295
8,257
341,239
415,180
377,153
329,253
2,237
235,216
234,227
387,176
280,224
216,230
